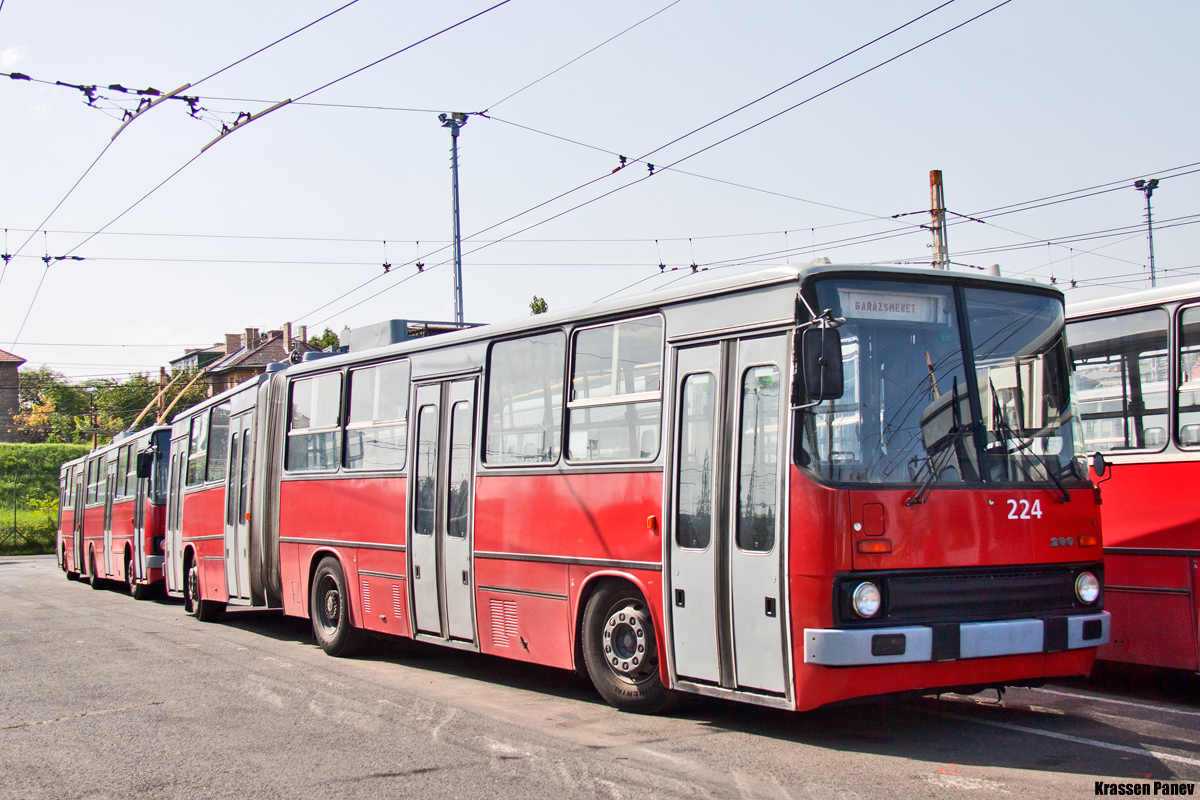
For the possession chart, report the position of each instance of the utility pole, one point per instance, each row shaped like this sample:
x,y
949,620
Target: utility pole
x,y
1147,188
162,385
455,122
937,214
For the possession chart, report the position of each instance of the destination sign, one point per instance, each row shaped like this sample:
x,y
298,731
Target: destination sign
x,y
893,306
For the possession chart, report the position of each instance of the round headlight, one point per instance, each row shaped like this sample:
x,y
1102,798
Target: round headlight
x,y
866,599
1087,588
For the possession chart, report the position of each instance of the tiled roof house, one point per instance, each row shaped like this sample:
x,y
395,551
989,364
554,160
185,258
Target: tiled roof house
x,y
10,396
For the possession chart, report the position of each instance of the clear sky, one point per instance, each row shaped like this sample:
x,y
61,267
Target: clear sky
x,y
286,218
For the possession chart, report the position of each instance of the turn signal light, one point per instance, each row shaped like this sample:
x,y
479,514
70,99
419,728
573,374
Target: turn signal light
x,y
651,523
875,546
1089,540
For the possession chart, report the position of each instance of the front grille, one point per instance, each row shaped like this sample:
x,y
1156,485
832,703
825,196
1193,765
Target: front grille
x,y
922,597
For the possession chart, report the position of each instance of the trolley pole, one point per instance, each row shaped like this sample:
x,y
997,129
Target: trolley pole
x,y
937,213
1147,188
455,123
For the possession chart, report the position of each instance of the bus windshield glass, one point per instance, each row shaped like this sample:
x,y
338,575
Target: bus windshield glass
x,y
911,412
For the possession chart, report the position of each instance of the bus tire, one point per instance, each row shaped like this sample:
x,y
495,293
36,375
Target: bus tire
x,y
137,590
94,580
71,576
203,610
621,651
329,608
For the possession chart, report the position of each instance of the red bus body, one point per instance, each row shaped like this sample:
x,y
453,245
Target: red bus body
x,y
1146,426
111,519
439,489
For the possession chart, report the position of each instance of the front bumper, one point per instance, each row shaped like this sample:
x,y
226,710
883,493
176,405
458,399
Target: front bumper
x,y
866,646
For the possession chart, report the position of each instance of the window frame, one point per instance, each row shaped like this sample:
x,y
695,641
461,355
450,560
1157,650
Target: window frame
x,y
1176,372
487,378
1171,350
337,428
628,399
374,424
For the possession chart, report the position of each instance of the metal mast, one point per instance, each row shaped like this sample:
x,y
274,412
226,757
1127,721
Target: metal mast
x,y
937,213
1147,188
456,122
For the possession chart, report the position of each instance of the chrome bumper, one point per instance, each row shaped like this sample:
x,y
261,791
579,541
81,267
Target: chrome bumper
x,y
845,648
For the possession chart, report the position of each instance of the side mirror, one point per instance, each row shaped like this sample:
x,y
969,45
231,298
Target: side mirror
x,y
821,359
1099,466
145,464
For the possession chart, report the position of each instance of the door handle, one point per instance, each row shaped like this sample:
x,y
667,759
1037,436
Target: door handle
x,y
417,571
466,581
770,609
679,598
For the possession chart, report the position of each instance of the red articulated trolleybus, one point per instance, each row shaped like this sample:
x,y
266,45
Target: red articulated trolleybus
x,y
112,505
788,488
1137,375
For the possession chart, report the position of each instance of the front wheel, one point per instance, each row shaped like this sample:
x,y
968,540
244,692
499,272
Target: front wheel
x,y
137,591
329,607
621,652
204,610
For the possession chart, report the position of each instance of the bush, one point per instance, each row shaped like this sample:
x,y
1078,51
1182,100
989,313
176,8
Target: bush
x,y
29,495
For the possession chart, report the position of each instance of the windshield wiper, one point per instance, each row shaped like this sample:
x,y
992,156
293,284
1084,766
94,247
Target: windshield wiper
x,y
1023,444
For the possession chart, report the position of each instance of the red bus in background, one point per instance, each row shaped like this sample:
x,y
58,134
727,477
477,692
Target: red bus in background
x,y
1137,378
112,505
787,488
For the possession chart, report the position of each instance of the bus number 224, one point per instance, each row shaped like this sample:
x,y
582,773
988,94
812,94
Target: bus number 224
x,y
1023,509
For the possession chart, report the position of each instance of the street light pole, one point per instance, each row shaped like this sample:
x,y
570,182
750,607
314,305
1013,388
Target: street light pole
x,y
1147,188
455,123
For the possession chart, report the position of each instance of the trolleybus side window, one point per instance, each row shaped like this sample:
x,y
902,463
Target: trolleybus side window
x,y
122,470
314,441
377,423
1189,377
425,468
131,470
616,390
1121,380
218,443
197,449
758,471
95,479
458,499
697,407
524,402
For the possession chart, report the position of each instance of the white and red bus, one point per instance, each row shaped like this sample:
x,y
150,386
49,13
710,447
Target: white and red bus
x,y
787,488
112,505
1137,378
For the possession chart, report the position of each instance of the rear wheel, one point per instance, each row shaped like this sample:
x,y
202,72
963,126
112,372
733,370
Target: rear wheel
x,y
329,607
204,610
621,652
137,590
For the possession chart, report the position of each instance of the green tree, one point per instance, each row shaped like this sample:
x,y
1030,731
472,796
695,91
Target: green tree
x,y
327,339
538,306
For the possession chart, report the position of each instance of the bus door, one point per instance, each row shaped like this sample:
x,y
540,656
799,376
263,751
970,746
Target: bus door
x,y
77,524
110,491
237,490
173,542
440,496
725,586
139,524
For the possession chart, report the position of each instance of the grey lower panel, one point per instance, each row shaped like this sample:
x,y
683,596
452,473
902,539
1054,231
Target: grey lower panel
x,y
154,562
836,648
1075,630
844,648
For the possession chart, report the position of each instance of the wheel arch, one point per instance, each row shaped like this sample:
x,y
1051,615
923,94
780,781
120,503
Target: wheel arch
x,y
616,577
351,595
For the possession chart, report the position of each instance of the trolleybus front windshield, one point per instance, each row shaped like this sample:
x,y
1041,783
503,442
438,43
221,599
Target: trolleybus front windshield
x,y
908,411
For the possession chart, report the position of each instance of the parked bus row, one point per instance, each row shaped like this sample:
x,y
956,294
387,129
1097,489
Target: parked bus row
x,y
1137,371
787,488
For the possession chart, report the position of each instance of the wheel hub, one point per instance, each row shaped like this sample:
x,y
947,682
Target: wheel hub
x,y
333,607
625,641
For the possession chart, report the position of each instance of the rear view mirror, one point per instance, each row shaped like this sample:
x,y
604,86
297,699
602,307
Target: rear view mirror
x,y
145,464
1099,466
821,359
